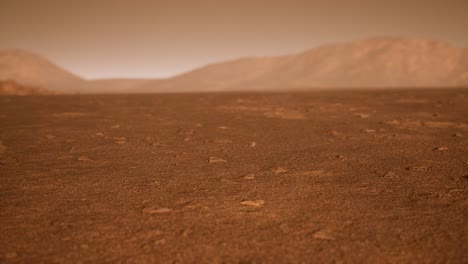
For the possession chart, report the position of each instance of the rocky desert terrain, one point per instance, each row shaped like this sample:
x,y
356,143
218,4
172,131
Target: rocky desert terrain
x,y
325,177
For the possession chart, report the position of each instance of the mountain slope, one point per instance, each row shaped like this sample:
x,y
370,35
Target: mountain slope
x,y
377,63
32,70
12,88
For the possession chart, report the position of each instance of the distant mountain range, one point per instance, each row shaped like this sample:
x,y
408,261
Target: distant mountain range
x,y
383,62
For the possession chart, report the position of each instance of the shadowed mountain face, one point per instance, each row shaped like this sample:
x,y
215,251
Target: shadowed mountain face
x,y
32,70
374,63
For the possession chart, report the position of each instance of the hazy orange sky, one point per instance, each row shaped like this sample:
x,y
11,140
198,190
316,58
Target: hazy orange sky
x,y
149,38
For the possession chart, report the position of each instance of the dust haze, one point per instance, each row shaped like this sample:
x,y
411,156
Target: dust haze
x,y
216,132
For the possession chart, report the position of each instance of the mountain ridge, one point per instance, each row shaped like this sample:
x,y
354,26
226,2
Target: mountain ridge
x,y
378,62
372,63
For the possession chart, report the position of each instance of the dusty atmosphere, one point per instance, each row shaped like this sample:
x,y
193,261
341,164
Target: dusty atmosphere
x,y
376,176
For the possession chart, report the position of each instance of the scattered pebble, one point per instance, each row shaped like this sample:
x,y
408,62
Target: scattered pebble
x,y
361,115
152,210
420,168
393,122
186,232
323,235
279,170
249,177
119,140
441,148
254,203
391,175
83,158
223,141
160,242
216,160
285,114
284,228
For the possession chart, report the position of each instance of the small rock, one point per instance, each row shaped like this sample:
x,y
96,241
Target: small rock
x,y
186,232
253,144
254,203
223,141
11,255
160,242
152,210
249,177
222,127
441,148
279,170
84,246
367,130
457,135
420,168
119,140
216,160
99,134
284,228
361,115
465,177
393,122
323,235
391,175
83,158
340,156
333,133
115,126
187,139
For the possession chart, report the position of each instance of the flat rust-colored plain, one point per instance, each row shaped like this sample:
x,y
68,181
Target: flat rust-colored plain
x,y
345,177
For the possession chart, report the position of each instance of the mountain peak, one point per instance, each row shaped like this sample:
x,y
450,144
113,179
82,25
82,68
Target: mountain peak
x,y
30,69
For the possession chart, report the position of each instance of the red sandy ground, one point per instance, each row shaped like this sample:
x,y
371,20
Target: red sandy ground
x,y
302,177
